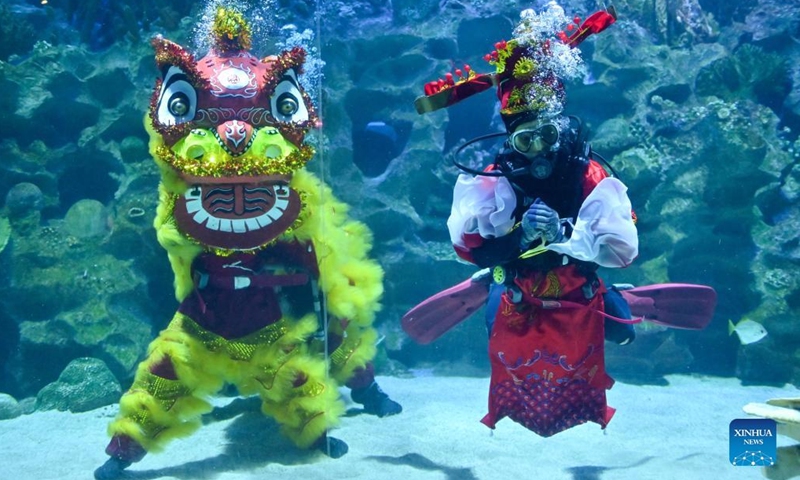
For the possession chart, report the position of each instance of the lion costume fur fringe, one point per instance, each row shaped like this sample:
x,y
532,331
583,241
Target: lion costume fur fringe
x,y
156,410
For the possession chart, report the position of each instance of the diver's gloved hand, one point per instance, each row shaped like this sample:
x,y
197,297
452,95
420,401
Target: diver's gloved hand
x,y
540,221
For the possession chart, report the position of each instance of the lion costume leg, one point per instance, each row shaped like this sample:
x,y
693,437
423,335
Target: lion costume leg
x,y
294,385
351,365
159,406
167,397
187,364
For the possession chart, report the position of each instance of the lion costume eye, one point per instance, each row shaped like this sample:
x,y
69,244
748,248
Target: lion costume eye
x,y
287,100
179,105
177,99
287,104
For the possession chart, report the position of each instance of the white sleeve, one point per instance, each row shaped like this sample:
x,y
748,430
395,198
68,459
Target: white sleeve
x,y
604,232
483,205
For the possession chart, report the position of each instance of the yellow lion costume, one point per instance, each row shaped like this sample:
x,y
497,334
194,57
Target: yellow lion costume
x,y
263,256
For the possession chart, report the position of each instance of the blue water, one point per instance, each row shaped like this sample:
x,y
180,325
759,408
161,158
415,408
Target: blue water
x,y
695,107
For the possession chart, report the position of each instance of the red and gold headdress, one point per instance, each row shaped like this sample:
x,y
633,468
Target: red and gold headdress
x,y
528,69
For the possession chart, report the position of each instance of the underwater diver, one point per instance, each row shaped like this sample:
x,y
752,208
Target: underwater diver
x,y
545,215
549,166
277,292
542,218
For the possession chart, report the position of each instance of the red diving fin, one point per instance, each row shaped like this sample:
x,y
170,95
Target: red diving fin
x,y
433,317
675,305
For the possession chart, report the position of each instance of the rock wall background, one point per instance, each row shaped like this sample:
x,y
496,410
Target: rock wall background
x,y
695,103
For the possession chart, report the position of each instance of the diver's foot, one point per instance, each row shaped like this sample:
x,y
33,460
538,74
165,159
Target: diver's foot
x,y
619,333
332,447
112,469
375,401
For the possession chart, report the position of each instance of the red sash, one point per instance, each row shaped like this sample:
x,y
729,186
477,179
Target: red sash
x,y
548,365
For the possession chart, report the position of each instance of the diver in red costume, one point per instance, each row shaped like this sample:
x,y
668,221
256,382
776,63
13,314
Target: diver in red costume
x,y
547,333
543,216
541,219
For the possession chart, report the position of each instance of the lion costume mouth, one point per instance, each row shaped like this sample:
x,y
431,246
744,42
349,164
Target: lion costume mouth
x,y
235,214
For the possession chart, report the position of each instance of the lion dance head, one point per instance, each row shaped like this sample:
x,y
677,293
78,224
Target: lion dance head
x,y
228,132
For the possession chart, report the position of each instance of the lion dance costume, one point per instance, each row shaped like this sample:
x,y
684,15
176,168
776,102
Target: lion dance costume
x,y
261,252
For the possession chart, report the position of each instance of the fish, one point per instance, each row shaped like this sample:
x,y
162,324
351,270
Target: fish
x,y
748,331
378,143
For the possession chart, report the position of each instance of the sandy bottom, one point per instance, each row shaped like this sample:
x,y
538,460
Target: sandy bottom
x,y
678,431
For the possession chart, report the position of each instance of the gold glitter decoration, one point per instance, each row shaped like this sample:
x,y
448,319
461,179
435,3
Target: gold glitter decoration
x,y
548,287
310,389
267,380
245,165
554,285
164,391
342,355
230,32
241,348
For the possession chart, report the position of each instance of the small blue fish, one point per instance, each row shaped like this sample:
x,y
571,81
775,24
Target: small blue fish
x,y
378,143
748,331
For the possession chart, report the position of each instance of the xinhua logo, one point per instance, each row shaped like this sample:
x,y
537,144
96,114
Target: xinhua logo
x,y
752,442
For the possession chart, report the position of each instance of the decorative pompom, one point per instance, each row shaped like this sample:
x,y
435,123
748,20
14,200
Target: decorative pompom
x,y
230,31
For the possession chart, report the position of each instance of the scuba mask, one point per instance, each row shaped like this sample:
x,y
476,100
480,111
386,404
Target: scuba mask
x,y
569,146
535,144
531,141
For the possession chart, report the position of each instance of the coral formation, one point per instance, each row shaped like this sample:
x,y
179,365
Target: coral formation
x,y
5,233
17,36
677,23
85,384
100,23
750,72
22,198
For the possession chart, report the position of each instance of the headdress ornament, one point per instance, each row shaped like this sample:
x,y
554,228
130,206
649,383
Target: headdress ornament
x,y
528,68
